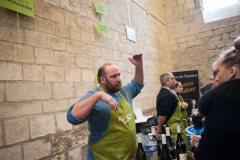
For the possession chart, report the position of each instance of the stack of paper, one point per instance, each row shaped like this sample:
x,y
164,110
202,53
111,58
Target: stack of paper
x,y
139,116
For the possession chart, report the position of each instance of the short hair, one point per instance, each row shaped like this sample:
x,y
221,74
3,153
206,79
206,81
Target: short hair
x,y
101,71
164,77
232,56
177,84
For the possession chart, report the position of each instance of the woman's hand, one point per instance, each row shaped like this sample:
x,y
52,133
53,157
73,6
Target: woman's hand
x,y
184,105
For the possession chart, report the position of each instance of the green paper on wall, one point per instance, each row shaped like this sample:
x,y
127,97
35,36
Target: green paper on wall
x,y
22,6
101,8
103,28
131,34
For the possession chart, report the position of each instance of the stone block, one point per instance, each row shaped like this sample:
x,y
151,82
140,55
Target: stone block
x,y
37,149
178,8
75,154
10,33
117,56
58,15
42,125
89,25
6,51
225,36
53,73
63,90
1,92
62,123
65,59
35,38
10,71
1,137
70,19
44,56
181,40
190,43
52,2
88,37
73,74
16,130
43,9
20,91
84,61
115,36
106,53
192,11
62,30
55,105
188,19
76,34
184,14
83,87
128,49
181,1
20,109
23,53
57,43
191,38
208,33
98,62
120,47
188,5
220,44
215,38
236,27
228,43
93,50
76,47
198,42
88,75
234,34
44,25
11,153
32,72
218,31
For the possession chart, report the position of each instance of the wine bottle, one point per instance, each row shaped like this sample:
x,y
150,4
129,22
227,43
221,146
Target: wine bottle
x,y
141,155
164,129
180,146
170,145
165,152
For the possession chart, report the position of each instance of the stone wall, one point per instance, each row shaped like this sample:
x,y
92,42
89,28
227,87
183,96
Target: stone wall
x,y
193,43
54,65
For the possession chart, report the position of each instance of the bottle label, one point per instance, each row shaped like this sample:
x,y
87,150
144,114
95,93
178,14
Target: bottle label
x,y
151,148
183,156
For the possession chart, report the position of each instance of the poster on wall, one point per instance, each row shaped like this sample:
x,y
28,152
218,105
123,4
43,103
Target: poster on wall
x,y
189,80
21,6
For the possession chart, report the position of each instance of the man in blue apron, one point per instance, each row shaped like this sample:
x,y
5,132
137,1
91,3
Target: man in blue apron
x,y
169,108
108,110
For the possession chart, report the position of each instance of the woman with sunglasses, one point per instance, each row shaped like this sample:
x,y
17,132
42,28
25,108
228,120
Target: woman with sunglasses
x,y
213,79
221,136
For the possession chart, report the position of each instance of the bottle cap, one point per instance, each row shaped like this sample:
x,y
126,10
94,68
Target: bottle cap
x,y
167,131
153,130
178,128
164,139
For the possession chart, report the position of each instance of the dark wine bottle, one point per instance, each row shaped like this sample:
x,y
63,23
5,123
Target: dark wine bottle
x,y
164,129
170,144
180,146
141,155
165,152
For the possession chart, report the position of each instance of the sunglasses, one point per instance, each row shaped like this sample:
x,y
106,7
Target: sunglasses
x,y
214,73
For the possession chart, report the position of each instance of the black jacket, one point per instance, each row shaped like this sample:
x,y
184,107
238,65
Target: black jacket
x,y
221,137
166,103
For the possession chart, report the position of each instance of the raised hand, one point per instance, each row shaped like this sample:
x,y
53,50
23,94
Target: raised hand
x,y
136,59
109,100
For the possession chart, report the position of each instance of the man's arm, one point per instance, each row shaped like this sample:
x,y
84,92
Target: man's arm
x,y
161,120
137,61
82,109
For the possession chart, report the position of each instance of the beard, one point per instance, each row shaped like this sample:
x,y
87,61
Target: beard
x,y
113,88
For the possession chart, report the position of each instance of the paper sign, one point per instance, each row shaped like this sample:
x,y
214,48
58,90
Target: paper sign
x,y
22,6
131,34
101,8
139,116
103,28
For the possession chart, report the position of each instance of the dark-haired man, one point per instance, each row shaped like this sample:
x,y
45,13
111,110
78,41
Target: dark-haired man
x,y
108,110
